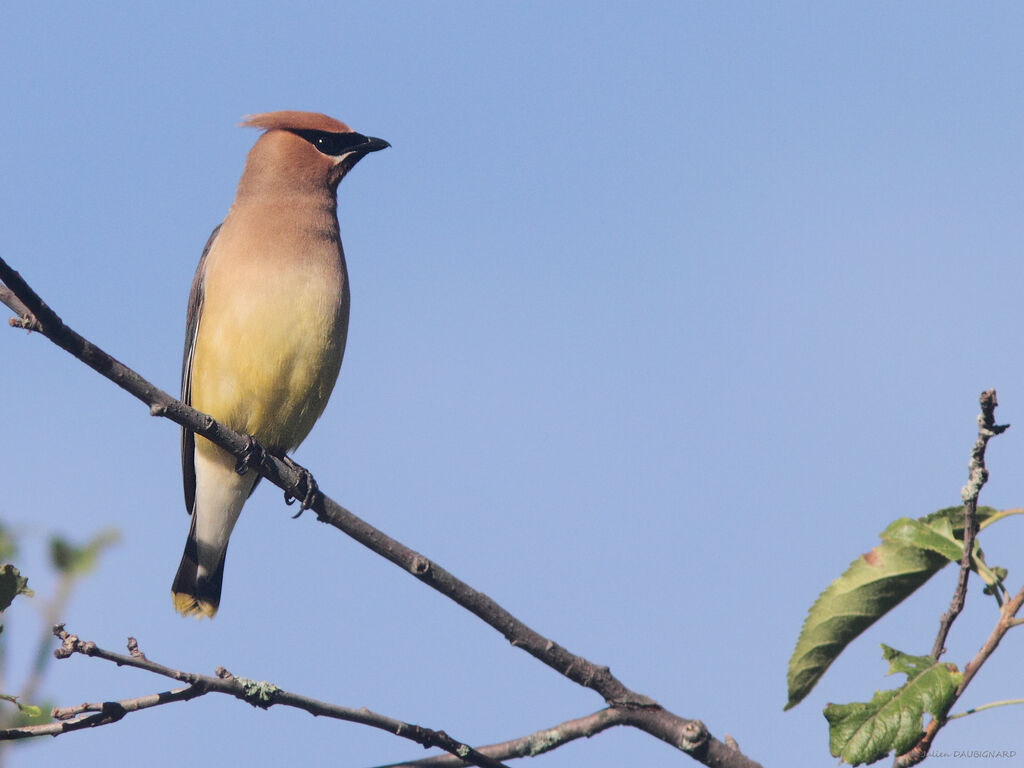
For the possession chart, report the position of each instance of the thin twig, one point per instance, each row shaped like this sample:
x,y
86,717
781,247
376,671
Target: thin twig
x,y
688,735
987,428
258,694
978,475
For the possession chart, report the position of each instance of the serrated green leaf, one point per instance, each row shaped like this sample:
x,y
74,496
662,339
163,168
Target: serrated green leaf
x,y
73,560
875,582
892,721
911,552
942,532
955,515
937,537
12,584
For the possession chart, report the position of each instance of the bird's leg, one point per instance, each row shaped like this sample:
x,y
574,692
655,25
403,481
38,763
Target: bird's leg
x,y
252,457
306,486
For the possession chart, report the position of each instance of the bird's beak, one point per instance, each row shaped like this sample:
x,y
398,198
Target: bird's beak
x,y
371,145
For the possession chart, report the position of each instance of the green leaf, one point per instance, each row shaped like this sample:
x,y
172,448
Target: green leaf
x,y
28,714
911,552
942,532
30,710
955,515
71,560
12,584
875,582
892,721
936,537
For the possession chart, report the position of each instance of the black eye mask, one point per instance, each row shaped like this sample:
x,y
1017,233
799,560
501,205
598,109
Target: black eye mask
x,y
335,144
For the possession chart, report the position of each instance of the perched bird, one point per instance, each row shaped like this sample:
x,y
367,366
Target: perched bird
x,y
266,326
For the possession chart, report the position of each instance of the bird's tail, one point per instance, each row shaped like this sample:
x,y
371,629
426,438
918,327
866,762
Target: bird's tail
x,y
220,493
196,591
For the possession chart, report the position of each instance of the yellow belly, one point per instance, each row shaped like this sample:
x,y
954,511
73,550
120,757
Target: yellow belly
x,y
269,347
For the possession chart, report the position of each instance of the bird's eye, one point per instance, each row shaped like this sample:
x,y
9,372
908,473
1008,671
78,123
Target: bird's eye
x,y
333,144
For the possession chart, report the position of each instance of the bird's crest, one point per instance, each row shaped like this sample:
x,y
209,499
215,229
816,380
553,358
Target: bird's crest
x,y
291,120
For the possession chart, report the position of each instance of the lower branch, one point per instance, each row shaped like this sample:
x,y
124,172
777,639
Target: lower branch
x,y
70,719
532,744
258,694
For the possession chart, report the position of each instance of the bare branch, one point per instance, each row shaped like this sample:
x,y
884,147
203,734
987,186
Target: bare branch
x,y
532,744
67,719
262,695
1005,624
640,711
987,428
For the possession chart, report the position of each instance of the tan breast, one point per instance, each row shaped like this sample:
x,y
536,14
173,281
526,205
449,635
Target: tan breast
x,y
273,323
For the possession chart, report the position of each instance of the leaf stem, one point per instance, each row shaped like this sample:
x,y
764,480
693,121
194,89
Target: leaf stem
x,y
990,705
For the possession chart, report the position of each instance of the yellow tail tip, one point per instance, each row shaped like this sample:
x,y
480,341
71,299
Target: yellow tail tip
x,y
190,605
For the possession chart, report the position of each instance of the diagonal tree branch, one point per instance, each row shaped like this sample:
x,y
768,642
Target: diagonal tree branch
x,y
262,695
688,735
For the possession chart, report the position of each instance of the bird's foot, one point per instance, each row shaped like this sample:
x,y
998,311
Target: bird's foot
x,y
253,456
304,491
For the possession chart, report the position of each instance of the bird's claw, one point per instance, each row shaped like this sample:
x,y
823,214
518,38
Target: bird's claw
x,y
306,486
252,456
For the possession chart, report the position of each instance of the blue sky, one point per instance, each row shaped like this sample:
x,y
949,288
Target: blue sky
x,y
661,312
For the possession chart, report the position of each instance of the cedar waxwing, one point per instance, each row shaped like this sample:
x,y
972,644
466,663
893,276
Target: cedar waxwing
x,y
266,326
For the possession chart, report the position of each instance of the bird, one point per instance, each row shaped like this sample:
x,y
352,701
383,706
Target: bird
x,y
266,326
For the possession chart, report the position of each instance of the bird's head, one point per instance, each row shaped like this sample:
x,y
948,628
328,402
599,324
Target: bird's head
x,y
305,148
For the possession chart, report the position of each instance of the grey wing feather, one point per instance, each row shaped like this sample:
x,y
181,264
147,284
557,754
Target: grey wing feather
x,y
195,308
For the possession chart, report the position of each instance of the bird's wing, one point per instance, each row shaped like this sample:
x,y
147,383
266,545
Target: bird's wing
x,y
195,308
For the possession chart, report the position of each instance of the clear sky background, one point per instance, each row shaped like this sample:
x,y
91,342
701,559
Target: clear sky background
x,y
661,312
